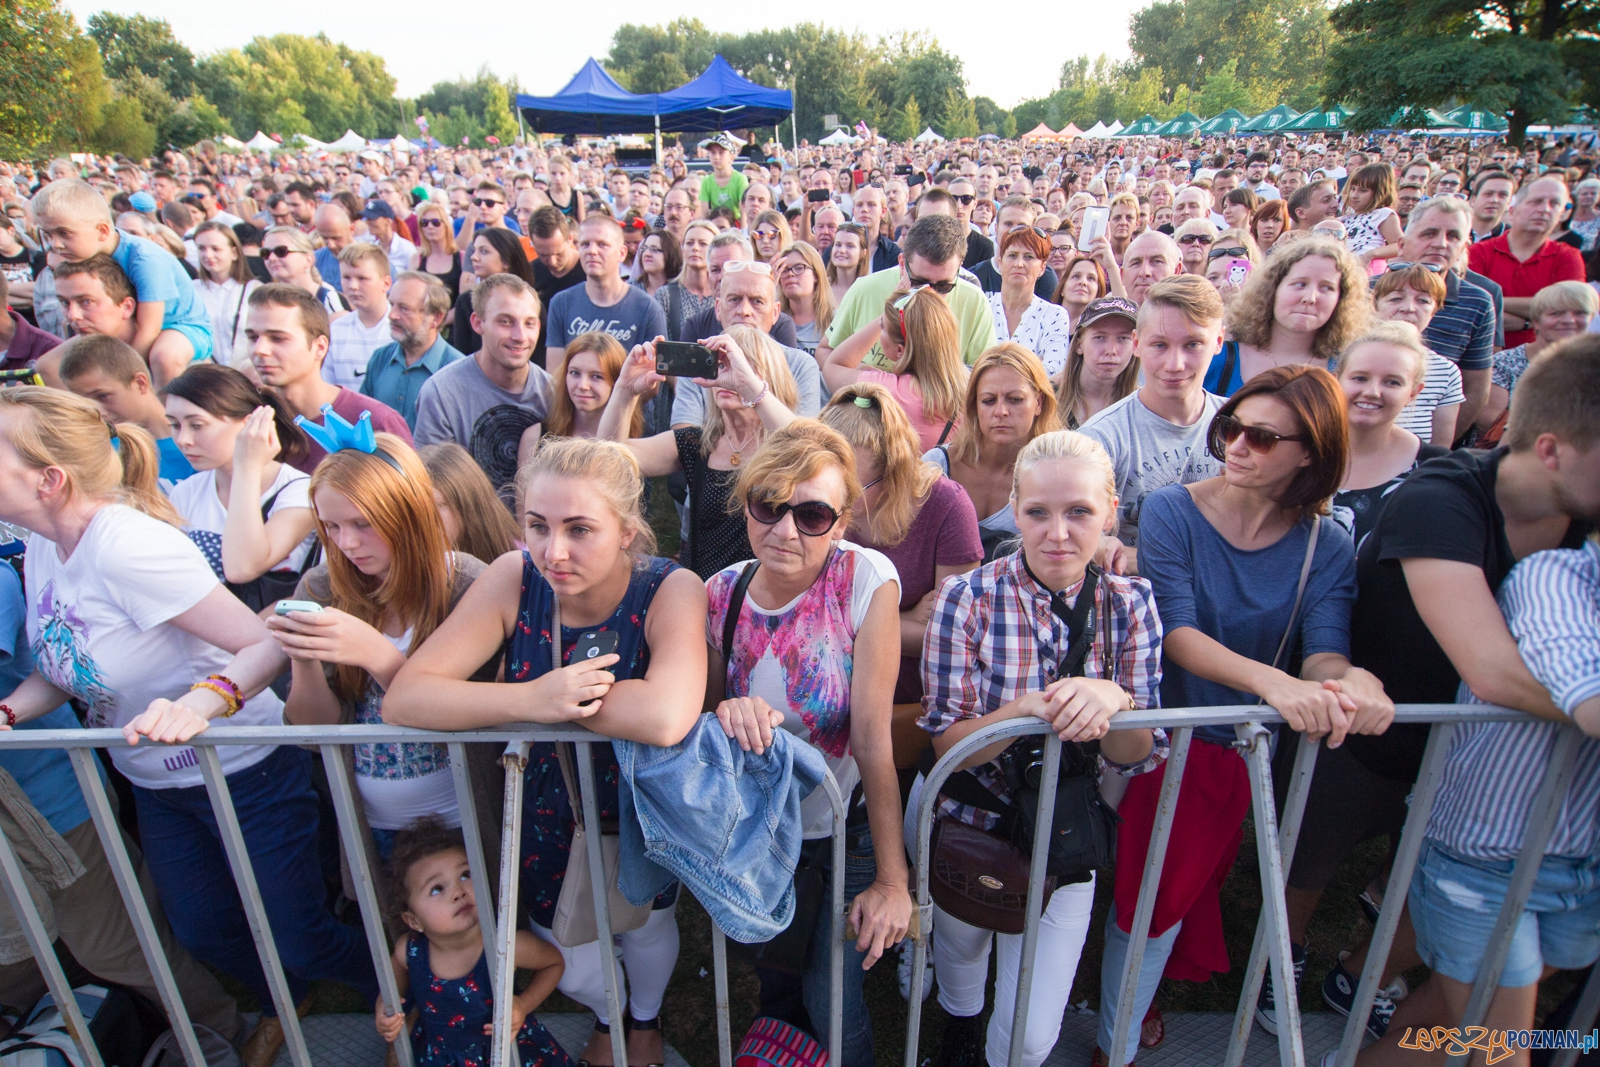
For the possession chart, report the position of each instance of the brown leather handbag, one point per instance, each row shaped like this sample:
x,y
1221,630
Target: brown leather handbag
x,y
980,878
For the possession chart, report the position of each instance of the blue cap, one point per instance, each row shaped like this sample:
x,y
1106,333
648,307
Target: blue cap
x,y
142,202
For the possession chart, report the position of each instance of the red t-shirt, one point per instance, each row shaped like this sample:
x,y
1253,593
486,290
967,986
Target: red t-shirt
x,y
348,406
1555,262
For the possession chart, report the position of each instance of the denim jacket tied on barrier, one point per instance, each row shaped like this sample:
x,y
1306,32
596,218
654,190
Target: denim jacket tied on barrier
x,y
724,821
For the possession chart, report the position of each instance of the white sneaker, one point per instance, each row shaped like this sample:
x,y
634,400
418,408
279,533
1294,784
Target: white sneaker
x,y
903,969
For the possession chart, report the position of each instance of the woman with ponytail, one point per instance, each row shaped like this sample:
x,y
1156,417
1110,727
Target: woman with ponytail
x,y
126,616
248,509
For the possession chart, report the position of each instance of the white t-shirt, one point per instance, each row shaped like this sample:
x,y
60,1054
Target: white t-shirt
x,y
97,624
817,701
350,348
401,783
205,514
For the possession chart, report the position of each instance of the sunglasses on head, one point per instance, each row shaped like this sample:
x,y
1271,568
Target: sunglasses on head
x,y
1218,253
277,250
1256,438
812,518
746,264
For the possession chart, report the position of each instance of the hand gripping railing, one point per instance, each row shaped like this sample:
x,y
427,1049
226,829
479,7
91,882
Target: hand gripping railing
x,y
1275,846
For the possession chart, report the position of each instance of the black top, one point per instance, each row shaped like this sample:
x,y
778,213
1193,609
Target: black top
x,y
979,248
450,279
717,539
706,324
463,338
1445,510
1367,504
547,285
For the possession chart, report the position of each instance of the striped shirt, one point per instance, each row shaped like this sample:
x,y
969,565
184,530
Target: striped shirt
x,y
1441,387
1551,602
1462,330
992,638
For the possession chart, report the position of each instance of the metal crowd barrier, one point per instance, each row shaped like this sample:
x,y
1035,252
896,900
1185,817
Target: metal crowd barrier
x,y
1275,844
498,923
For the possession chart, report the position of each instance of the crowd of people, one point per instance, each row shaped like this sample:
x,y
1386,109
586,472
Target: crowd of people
x,y
963,433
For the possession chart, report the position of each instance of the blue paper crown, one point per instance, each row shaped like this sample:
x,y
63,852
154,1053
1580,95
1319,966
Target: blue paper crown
x,y
336,435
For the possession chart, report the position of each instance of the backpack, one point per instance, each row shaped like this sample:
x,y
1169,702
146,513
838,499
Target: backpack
x,y
774,1043
218,1050
122,1024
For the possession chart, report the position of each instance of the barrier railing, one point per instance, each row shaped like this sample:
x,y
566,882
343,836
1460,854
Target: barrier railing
x,y
1275,845
498,923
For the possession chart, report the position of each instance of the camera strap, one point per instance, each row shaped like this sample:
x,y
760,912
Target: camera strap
x,y
1079,619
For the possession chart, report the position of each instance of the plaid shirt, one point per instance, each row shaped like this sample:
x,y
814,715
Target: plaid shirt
x,y
993,638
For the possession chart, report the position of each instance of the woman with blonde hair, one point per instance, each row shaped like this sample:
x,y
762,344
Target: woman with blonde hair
x,y
804,294
1301,307
919,334
387,581
849,258
922,521
437,245
475,520
1008,403
582,384
753,394
690,293
127,617
770,236
1233,255
1123,225
590,557
291,259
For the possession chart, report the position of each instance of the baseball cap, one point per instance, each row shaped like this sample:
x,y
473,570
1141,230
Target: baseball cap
x,y
142,202
1108,307
377,209
721,140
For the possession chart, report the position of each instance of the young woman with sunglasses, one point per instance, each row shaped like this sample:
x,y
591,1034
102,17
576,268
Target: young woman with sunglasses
x,y
438,246
753,394
290,259
815,649
1223,270
1224,557
770,236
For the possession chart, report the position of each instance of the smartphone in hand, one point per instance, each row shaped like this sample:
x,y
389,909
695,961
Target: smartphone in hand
x,y
1095,222
684,359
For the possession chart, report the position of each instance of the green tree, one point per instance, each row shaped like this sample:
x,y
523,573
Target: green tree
x,y
1269,41
908,121
43,67
1531,58
485,100
957,118
1224,89
123,128
294,84
991,116
132,44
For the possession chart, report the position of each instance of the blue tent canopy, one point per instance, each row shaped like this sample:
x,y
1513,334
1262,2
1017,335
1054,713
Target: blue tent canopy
x,y
592,103
722,99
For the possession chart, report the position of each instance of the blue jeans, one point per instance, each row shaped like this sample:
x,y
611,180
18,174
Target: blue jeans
x,y
1115,957
277,812
815,986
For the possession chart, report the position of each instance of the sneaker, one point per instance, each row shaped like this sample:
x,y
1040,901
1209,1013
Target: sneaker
x,y
961,1044
1339,993
1266,1010
903,969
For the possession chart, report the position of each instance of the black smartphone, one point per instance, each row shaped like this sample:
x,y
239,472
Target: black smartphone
x,y
818,196
685,359
594,644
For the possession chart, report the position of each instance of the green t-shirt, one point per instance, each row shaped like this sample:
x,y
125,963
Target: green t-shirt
x,y
864,303
714,196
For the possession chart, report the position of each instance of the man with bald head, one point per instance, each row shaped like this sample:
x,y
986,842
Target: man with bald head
x,y
731,247
334,227
1150,257
604,302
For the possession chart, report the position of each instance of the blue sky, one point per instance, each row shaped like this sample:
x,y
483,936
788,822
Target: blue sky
x,y
1008,60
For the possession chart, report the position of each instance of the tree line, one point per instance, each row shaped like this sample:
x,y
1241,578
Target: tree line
x,y
126,84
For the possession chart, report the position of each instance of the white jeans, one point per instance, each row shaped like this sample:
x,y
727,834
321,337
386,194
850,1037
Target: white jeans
x,y
648,956
961,960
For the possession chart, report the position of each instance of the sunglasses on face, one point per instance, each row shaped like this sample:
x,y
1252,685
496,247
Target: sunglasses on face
x,y
812,518
432,222
1256,438
1194,239
964,200
278,250
487,201
942,288
1432,268
1218,253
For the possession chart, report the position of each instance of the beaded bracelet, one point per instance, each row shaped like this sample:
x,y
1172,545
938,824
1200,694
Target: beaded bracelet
x,y
229,683
11,716
232,702
765,388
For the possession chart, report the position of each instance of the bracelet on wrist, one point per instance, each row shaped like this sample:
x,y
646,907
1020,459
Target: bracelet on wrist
x,y
224,688
11,716
765,389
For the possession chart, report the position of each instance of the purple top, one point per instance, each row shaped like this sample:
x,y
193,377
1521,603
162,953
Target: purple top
x,y
944,534
27,344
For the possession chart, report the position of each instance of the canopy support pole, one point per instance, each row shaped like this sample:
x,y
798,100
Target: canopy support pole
x,y
658,140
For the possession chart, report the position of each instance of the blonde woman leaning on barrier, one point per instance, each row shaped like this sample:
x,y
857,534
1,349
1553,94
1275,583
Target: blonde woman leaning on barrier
x,y
589,545
127,616
980,666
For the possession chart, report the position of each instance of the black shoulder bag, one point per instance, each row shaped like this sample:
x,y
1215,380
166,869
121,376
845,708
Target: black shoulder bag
x,y
981,876
274,585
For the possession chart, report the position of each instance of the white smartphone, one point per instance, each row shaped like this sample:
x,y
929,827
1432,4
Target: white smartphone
x,y
1095,222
